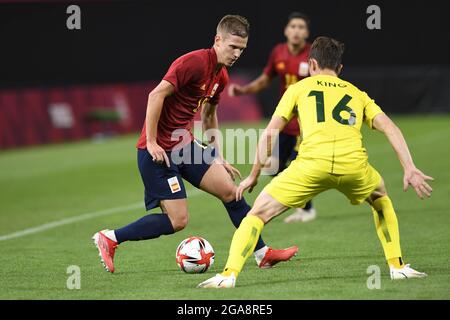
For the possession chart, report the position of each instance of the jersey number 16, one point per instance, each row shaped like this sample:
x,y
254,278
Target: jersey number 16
x,y
341,106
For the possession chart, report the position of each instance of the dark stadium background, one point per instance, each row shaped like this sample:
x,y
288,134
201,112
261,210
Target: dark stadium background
x,y
404,66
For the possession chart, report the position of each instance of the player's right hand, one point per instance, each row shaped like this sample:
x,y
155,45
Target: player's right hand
x,y
158,154
235,90
248,183
418,180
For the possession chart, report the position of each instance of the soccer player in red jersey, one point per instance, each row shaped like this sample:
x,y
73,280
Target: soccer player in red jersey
x,y
289,61
168,152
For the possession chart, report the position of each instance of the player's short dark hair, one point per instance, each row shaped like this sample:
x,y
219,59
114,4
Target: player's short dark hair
x,y
299,15
327,52
235,25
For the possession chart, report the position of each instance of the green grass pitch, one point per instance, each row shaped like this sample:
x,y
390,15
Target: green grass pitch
x,y
44,184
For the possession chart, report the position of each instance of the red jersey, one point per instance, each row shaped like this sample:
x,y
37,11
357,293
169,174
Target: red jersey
x,y
291,68
196,82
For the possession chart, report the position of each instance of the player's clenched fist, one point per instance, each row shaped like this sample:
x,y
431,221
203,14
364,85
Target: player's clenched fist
x,y
158,154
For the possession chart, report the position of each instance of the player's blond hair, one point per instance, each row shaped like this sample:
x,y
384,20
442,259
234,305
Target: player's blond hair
x,y
235,25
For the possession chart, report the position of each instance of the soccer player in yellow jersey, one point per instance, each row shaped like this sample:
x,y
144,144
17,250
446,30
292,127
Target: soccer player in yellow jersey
x,y
331,112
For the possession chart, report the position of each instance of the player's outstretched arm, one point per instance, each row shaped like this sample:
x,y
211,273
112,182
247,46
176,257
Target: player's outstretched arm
x,y
154,107
253,87
263,152
412,176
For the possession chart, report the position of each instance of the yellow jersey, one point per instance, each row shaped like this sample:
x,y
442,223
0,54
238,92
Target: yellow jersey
x,y
330,113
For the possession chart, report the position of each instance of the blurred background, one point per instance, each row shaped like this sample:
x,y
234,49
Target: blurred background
x,y
61,85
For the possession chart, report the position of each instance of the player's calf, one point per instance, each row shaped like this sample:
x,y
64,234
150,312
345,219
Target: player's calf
x,y
266,207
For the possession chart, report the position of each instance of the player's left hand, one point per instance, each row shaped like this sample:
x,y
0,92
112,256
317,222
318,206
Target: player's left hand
x,y
418,180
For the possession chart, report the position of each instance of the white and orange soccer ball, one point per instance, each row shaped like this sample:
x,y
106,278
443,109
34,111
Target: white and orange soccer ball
x,y
195,255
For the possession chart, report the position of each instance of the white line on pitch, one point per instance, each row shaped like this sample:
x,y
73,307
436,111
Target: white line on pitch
x,y
81,217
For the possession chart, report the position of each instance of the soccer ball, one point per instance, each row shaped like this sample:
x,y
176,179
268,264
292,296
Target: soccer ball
x,y
194,255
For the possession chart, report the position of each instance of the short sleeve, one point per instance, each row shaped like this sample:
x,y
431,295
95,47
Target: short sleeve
x,y
182,71
269,69
371,109
288,103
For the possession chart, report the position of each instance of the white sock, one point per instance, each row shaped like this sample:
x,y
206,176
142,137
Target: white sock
x,y
110,235
260,253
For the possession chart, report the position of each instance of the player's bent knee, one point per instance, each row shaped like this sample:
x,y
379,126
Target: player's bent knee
x,y
179,221
379,192
229,194
376,195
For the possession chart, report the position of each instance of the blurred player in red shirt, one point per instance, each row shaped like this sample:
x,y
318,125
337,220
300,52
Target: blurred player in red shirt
x,y
168,153
289,61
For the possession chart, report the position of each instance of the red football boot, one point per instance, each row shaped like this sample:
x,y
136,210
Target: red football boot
x,y
273,256
106,250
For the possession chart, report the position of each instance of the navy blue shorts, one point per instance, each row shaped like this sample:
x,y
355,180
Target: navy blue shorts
x,y
287,152
166,183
